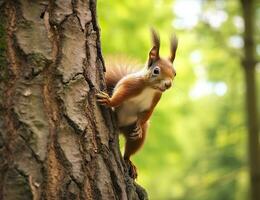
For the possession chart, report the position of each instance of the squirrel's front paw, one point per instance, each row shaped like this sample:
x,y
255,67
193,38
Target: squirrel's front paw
x,y
103,98
137,133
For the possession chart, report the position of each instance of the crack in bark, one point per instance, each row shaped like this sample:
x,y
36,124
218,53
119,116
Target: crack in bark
x,y
44,10
76,181
53,36
73,125
70,194
9,119
73,3
87,175
63,20
10,35
35,156
36,65
118,156
21,173
93,128
108,160
96,28
65,161
73,78
91,85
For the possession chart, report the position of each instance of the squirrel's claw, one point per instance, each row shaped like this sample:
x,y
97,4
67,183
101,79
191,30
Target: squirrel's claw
x,y
103,98
137,133
102,94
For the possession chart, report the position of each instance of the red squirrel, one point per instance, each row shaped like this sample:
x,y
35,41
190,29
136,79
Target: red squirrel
x,y
135,95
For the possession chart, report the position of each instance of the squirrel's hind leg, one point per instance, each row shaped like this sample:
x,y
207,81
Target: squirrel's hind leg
x,y
131,147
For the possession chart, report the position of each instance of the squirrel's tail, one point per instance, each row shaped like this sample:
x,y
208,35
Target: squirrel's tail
x,y
116,69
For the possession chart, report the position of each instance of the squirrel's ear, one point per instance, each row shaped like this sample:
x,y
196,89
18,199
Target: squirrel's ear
x,y
153,56
154,52
173,47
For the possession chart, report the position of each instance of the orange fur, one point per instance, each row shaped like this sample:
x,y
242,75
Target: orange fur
x,y
132,146
115,70
127,88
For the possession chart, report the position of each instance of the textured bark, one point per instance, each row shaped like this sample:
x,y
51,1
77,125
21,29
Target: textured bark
x,y
249,63
55,141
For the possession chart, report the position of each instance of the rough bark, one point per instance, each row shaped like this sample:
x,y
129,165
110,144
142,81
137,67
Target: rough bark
x,y
249,63
55,141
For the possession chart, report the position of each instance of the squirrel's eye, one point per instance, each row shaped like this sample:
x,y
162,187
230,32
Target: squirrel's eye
x,y
156,71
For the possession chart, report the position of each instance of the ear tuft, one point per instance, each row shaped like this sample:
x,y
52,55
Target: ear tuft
x,y
155,39
173,47
154,52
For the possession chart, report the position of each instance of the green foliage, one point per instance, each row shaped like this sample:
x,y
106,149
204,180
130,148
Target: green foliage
x,y
196,147
125,24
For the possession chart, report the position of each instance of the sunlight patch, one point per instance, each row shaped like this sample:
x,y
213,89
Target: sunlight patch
x,y
187,13
205,88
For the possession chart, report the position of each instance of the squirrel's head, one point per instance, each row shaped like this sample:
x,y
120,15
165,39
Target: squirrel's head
x,y
160,70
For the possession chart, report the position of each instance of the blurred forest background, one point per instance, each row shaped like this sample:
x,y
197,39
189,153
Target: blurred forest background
x,y
197,147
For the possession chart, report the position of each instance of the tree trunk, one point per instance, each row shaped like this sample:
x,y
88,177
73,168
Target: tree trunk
x,y
55,141
249,64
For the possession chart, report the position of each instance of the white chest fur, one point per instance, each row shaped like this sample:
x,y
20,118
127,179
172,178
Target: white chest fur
x,y
128,111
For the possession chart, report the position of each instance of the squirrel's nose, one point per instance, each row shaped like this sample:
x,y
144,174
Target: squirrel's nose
x,y
168,84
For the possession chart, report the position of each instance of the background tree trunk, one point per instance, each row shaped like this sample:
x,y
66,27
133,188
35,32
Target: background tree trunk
x,y
249,63
55,141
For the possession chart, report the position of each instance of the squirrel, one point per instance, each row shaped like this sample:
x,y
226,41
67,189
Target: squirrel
x,y
134,95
